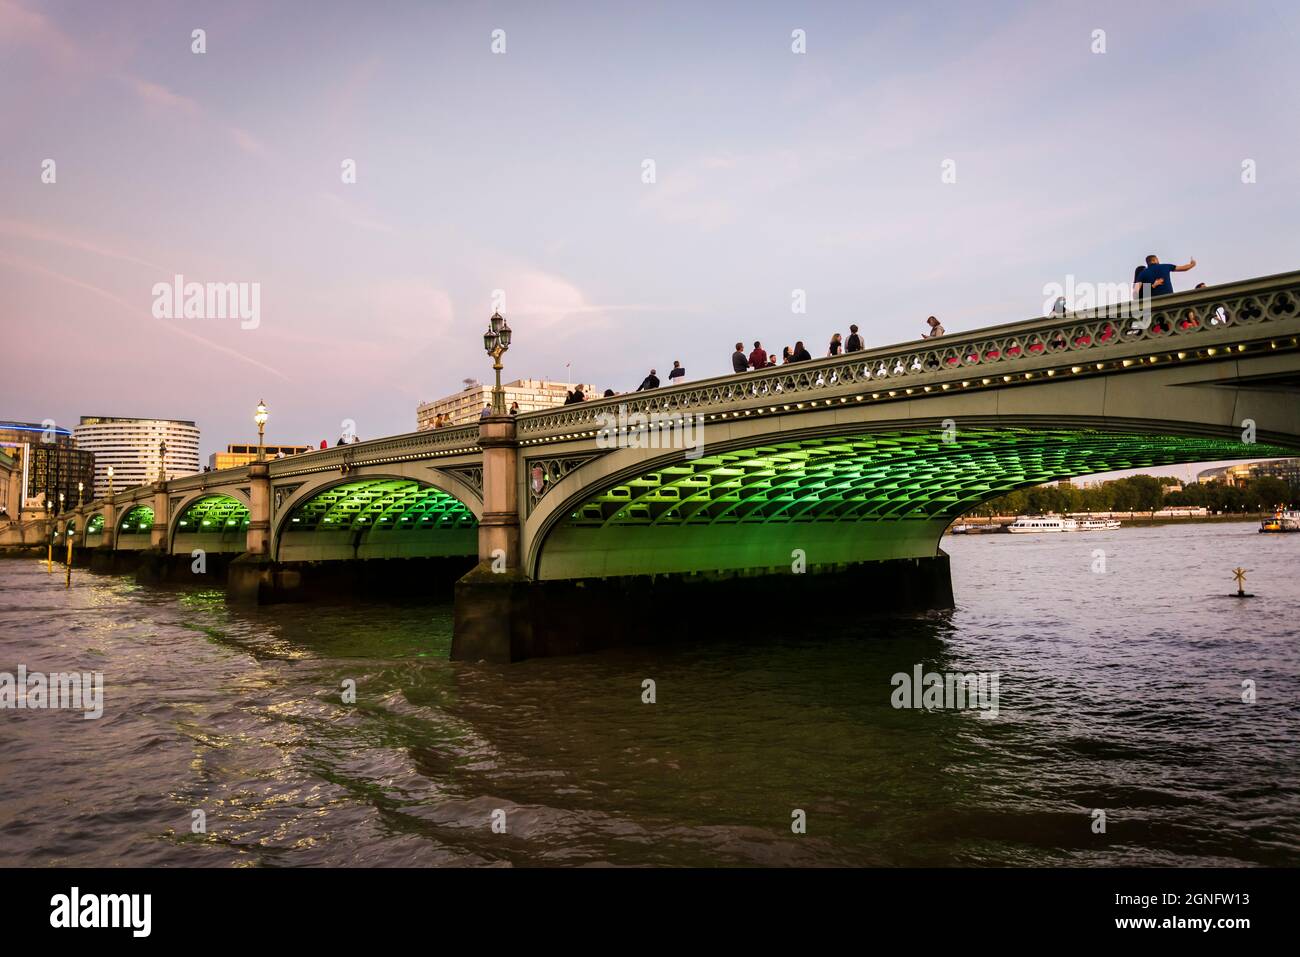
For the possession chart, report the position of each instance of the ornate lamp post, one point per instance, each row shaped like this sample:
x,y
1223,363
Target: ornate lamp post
x,y
260,417
495,343
162,453
81,487
110,483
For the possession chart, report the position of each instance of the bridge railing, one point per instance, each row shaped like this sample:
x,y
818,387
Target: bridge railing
x,y
1091,333
460,440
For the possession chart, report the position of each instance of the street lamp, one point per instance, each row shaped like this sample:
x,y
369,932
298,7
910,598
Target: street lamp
x,y
495,343
110,483
260,417
81,487
162,467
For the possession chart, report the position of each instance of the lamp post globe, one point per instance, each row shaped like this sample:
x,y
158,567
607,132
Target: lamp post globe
x,y
495,343
260,417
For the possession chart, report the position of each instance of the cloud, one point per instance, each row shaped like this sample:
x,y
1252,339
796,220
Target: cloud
x,y
24,27
247,142
353,213
17,262
30,232
158,95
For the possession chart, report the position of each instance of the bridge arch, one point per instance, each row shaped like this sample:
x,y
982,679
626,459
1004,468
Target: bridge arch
x,y
212,521
94,529
839,491
376,515
133,527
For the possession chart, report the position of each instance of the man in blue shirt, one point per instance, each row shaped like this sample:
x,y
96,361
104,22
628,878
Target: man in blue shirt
x,y
1158,275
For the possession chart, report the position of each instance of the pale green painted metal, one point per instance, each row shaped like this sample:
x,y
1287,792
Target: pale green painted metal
x,y
896,475
214,514
399,504
138,520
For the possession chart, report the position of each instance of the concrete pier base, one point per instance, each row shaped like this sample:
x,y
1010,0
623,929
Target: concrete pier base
x,y
254,579
155,566
502,617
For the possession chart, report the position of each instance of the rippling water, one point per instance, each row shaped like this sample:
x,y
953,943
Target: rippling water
x,y
1118,691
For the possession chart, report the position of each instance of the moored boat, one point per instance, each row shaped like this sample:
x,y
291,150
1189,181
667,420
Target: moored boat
x,y
1030,524
1098,524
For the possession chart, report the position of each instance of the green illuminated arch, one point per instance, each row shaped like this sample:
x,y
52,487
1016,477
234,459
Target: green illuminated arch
x,y
890,494
214,514
95,526
896,475
138,520
376,518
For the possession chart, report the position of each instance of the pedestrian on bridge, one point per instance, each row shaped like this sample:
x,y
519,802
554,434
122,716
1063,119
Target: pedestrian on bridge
x,y
757,358
936,329
1158,276
649,382
739,361
854,341
800,354
835,345
677,372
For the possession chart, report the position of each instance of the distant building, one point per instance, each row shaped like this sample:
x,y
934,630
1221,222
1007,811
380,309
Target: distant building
x,y
11,488
47,462
1288,470
466,405
130,446
237,455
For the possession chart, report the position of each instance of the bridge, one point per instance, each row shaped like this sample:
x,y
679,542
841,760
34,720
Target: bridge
x,y
778,486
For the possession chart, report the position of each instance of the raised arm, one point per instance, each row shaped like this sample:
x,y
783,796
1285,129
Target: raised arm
x,y
1191,263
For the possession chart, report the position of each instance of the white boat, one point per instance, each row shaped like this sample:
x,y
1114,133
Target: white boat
x,y
959,529
1098,524
1030,524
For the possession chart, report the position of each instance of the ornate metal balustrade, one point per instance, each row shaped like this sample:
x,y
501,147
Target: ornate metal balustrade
x,y
985,356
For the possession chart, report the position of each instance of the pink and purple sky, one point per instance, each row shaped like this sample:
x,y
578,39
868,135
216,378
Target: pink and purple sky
x,y
522,171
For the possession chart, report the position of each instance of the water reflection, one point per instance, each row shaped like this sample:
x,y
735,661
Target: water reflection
x,y
1117,692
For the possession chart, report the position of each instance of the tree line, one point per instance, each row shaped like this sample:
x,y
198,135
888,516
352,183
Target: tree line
x,y
1144,493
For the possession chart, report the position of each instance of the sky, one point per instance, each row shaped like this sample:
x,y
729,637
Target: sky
x,y
522,174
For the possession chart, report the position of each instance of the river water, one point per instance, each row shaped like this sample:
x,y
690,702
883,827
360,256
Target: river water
x,y
1120,691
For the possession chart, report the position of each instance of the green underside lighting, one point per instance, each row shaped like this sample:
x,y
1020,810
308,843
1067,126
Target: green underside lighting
x,y
393,504
214,515
137,520
95,525
883,476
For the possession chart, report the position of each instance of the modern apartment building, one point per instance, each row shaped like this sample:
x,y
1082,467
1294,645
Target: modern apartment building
x,y
466,405
133,446
46,463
